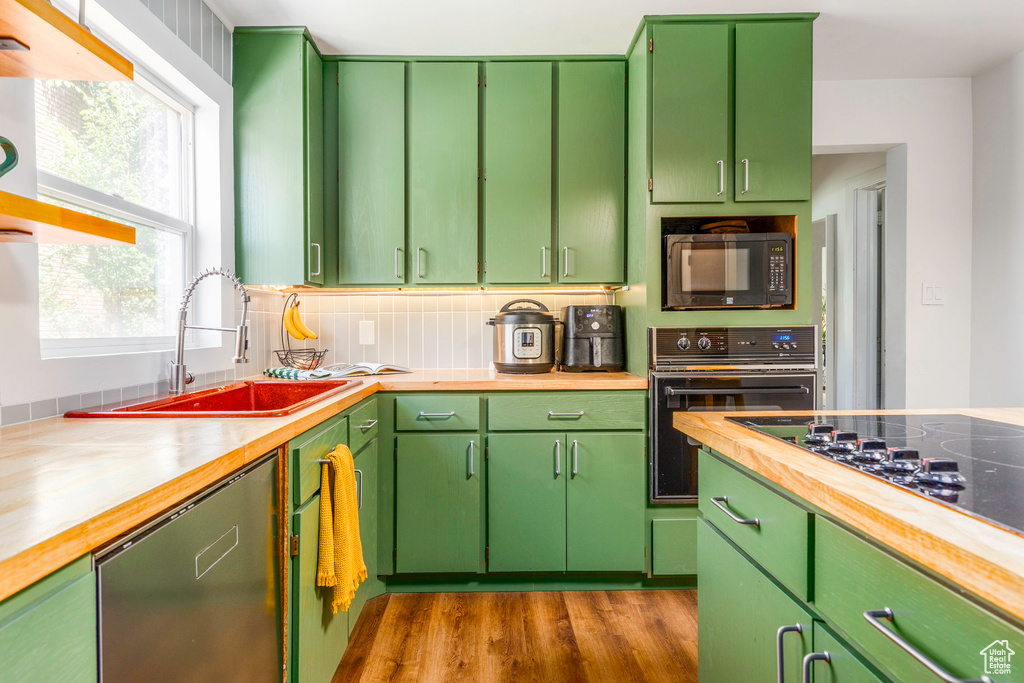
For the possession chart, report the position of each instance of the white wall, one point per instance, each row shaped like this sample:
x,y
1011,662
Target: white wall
x,y
829,175
997,313
932,117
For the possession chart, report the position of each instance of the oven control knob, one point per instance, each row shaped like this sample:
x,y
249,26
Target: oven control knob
x,y
703,343
940,473
683,343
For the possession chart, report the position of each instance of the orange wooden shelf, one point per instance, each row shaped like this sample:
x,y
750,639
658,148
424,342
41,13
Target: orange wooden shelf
x,y
58,46
27,220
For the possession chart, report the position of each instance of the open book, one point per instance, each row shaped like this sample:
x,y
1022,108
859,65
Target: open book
x,y
346,370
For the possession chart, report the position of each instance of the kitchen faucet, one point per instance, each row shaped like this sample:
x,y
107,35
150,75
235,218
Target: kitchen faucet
x,y
179,378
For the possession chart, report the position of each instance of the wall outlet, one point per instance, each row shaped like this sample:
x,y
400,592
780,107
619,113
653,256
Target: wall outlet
x,y
366,332
932,294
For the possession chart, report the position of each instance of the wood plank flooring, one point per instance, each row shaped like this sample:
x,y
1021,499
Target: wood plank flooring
x,y
546,637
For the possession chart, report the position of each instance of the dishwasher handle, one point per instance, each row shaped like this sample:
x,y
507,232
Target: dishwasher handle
x,y
673,391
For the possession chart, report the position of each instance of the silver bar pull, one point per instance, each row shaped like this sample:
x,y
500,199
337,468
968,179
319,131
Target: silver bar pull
x,y
472,457
874,617
552,414
565,256
721,178
720,503
419,262
323,462
575,458
558,457
783,630
810,660
368,425
398,250
359,491
427,416
746,175
543,261
319,261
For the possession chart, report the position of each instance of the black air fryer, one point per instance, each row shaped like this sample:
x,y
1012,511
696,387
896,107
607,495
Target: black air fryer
x,y
593,339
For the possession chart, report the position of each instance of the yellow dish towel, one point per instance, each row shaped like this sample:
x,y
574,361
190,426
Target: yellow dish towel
x,y
340,561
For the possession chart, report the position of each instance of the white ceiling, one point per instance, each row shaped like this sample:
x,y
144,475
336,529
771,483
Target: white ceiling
x,y
852,38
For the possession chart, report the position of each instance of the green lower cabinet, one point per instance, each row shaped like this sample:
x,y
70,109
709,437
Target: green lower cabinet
x,y
439,522
841,666
607,492
526,502
741,611
673,547
318,637
52,637
366,485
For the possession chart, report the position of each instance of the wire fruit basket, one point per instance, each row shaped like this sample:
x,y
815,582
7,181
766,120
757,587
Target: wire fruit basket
x,y
300,359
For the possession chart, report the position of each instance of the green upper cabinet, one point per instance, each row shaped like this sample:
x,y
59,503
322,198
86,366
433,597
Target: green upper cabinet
x,y
443,168
591,172
690,112
517,173
278,107
371,173
773,111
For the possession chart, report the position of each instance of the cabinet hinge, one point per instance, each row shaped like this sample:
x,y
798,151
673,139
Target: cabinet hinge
x,y
485,80
394,555
650,184
337,78
485,174
487,449
478,266
650,45
294,550
487,553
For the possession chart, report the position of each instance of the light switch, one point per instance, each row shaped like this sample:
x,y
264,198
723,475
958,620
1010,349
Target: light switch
x,y
932,294
366,332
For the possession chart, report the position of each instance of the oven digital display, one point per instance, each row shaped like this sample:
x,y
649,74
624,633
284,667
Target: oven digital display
x,y
782,338
777,250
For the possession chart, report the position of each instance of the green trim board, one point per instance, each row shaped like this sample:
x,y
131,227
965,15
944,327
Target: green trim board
x,y
484,59
590,581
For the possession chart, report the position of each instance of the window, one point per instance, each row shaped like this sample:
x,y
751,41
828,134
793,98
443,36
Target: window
x,y
122,151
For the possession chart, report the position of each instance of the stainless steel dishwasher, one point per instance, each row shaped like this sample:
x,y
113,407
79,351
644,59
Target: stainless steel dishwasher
x,y
195,594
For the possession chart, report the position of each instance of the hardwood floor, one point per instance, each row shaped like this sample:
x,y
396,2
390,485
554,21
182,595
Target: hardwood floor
x,y
554,637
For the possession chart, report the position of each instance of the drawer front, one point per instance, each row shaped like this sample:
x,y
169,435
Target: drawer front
x,y
567,411
778,541
310,447
852,577
674,547
362,425
842,666
437,413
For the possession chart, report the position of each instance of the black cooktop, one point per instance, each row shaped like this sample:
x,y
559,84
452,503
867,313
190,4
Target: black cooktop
x,y
974,465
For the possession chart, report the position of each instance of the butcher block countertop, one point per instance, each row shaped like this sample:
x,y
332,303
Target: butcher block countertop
x,y
983,558
67,487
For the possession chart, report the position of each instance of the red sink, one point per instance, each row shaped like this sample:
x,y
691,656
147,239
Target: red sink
x,y
258,398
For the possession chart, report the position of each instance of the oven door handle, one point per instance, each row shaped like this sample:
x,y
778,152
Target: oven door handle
x,y
672,391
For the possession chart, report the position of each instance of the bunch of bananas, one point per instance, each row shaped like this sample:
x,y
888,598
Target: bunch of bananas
x,y
293,323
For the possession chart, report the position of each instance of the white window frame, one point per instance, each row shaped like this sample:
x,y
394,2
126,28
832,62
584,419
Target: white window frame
x,y
56,187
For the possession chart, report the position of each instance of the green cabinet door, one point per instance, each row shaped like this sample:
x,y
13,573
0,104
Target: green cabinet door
x,y
773,111
318,637
439,526
371,173
741,611
443,172
517,173
842,665
526,475
366,487
607,493
53,638
313,98
591,172
690,113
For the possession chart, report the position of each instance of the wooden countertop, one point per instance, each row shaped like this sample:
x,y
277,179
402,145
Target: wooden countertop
x,y
67,487
983,558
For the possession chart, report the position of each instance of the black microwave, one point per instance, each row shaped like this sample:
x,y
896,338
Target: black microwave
x,y
744,270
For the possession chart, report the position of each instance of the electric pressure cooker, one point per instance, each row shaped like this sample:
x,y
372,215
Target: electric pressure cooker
x,y
524,338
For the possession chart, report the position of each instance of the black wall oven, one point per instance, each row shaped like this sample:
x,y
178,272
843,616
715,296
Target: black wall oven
x,y
719,369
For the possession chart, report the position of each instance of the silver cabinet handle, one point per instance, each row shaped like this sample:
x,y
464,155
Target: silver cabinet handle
x,y
472,457
368,425
442,415
558,457
579,414
720,503
746,175
359,491
874,617
721,178
543,261
398,250
780,634
319,262
419,264
575,458
810,660
565,255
